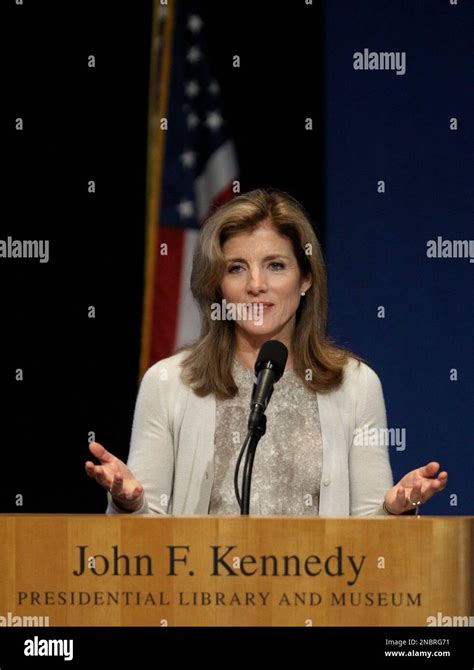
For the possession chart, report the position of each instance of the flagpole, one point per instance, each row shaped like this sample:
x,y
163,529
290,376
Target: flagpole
x,y
159,85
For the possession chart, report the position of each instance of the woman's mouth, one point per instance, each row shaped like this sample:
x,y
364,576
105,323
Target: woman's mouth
x,y
260,305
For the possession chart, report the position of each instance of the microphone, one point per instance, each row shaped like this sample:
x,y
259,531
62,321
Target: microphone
x,y
269,367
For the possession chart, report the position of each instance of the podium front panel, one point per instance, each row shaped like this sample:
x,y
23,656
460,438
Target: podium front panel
x,y
98,570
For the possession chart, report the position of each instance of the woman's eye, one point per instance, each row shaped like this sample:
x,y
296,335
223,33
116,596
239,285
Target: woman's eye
x,y
234,268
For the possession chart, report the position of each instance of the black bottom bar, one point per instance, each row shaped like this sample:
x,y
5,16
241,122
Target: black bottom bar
x,y
218,647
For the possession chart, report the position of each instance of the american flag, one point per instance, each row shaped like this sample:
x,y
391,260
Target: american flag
x,y
199,167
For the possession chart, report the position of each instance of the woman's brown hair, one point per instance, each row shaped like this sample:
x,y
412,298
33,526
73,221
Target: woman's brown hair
x,y
316,359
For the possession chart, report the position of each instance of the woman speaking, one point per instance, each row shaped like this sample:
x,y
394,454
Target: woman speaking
x,y
258,274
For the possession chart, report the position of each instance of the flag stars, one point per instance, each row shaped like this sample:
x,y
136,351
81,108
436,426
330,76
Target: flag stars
x,y
192,88
192,120
214,120
194,55
185,209
213,87
188,158
195,23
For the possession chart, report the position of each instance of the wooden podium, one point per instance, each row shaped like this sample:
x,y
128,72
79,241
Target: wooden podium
x,y
99,570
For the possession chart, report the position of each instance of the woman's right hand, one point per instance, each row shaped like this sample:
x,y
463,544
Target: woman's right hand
x,y
114,475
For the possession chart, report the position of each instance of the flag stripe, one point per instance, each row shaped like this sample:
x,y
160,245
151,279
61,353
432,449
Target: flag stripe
x,y
220,169
167,292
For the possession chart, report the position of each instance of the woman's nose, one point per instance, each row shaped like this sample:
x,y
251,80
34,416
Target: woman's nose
x,y
256,281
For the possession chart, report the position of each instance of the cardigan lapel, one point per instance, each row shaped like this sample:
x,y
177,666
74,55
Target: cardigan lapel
x,y
334,497
195,458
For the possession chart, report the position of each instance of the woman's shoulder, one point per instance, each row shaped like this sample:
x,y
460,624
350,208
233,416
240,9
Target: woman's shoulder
x,y
358,374
166,370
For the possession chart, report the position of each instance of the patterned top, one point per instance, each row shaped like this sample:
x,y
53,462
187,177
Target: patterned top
x,y
288,461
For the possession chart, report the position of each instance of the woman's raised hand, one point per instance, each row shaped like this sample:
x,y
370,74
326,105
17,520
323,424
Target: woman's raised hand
x,y
114,475
415,488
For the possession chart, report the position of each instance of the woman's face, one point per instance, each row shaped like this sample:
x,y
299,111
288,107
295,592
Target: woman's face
x,y
262,268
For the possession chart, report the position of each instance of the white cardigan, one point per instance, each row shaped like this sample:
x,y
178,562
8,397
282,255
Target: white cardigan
x,y
172,444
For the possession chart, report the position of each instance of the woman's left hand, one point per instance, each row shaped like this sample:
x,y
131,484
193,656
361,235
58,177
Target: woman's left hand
x,y
414,488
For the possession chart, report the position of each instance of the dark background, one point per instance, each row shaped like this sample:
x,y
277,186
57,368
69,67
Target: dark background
x,y
381,126
81,374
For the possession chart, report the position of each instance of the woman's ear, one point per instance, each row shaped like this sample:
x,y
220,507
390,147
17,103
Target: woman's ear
x,y
307,283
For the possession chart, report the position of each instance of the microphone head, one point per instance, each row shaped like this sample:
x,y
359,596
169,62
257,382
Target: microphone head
x,y
273,354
